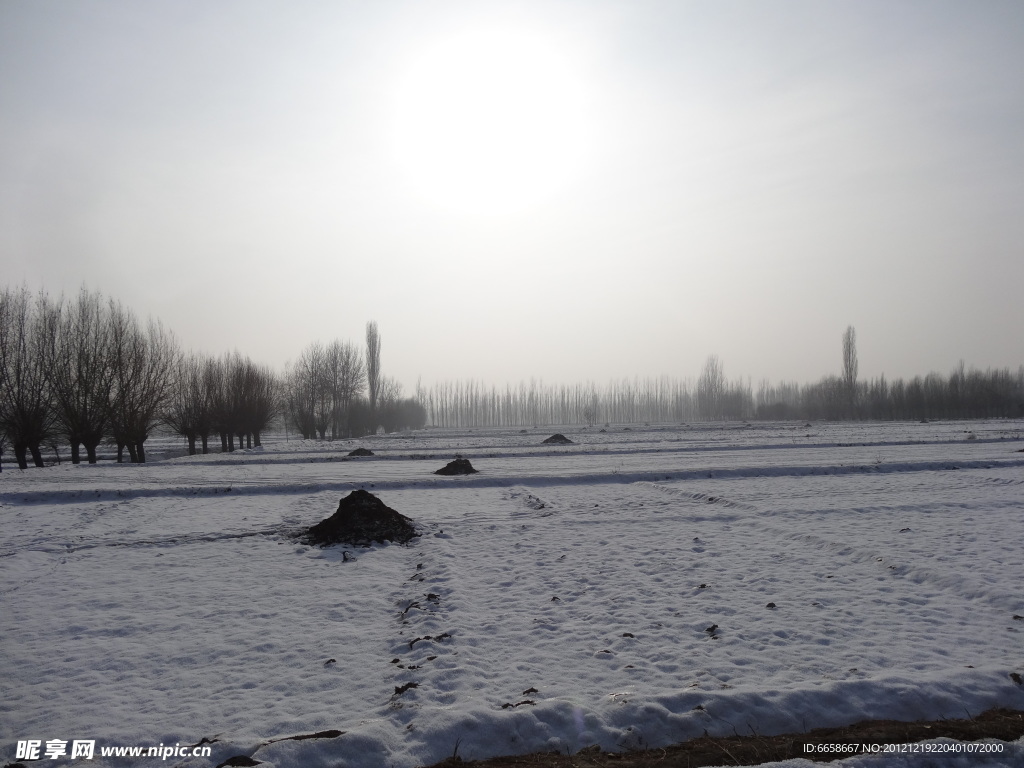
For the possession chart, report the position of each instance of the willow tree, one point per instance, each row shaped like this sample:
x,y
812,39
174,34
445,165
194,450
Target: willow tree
x,y
143,362
81,373
27,335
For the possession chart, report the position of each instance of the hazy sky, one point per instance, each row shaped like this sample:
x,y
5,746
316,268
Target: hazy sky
x,y
562,190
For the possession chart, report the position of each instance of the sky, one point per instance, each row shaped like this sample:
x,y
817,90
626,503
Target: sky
x,y
562,190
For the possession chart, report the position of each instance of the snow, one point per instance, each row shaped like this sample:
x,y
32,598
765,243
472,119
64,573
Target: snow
x,y
167,603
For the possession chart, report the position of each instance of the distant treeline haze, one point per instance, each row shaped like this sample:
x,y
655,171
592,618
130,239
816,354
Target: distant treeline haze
x,y
961,395
86,372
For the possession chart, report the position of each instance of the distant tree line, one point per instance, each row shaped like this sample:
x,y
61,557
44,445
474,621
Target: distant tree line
x,y
473,403
86,372
964,394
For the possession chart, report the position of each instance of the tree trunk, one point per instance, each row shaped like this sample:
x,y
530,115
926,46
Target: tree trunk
x,y
140,452
133,454
248,440
223,442
90,451
76,452
120,452
256,439
191,445
206,447
37,456
20,455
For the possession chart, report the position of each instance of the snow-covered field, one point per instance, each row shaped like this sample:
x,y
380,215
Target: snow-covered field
x,y
562,597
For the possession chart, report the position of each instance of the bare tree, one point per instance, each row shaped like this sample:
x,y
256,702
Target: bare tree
x,y
27,336
373,364
143,362
256,391
298,403
235,384
310,399
81,373
388,402
346,377
711,389
850,368
218,397
188,407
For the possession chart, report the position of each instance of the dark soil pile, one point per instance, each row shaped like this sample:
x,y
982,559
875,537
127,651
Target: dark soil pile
x,y
361,452
558,439
457,467
361,520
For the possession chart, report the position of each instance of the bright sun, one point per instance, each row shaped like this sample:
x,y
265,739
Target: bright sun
x,y
490,120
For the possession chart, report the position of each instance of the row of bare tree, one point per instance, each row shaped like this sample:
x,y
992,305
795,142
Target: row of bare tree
x,y
87,371
963,394
229,396
82,371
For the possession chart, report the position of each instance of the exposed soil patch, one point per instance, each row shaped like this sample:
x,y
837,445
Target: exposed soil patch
x,y
558,439
361,520
457,467
361,452
1002,724
239,761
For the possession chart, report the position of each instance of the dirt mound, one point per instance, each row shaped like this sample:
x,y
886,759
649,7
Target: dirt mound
x,y
457,467
361,452
558,439
361,519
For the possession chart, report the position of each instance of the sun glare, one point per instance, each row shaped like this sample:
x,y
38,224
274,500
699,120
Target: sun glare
x,y
490,121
